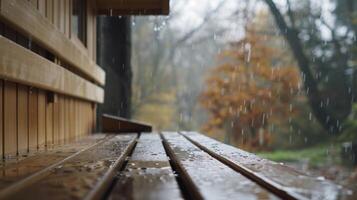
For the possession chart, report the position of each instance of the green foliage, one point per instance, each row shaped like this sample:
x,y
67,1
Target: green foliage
x,y
349,132
315,156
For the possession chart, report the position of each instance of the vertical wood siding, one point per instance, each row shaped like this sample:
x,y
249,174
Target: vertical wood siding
x,y
30,118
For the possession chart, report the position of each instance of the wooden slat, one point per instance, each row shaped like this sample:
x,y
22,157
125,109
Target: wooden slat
x,y
148,173
61,118
49,10
49,122
28,20
133,7
23,66
15,175
41,118
22,119
42,7
115,124
207,178
86,175
33,118
56,134
283,180
10,119
1,118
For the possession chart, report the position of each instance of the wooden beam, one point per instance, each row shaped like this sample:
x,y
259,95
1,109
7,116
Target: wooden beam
x,y
133,7
120,125
28,20
23,66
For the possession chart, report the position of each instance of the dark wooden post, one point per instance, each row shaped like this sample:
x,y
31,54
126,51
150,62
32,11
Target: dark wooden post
x,y
114,54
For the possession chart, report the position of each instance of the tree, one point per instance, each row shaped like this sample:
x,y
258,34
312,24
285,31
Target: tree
x,y
323,61
252,87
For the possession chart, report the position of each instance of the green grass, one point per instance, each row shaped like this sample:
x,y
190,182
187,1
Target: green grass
x,y
317,155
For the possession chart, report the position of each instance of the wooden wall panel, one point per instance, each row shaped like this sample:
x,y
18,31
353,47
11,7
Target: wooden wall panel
x,y
67,13
49,10
49,122
22,119
55,122
33,3
41,118
28,119
29,21
56,14
10,118
65,110
1,118
41,5
33,118
42,73
61,119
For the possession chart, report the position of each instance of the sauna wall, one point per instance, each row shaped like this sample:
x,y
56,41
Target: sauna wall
x,y
31,117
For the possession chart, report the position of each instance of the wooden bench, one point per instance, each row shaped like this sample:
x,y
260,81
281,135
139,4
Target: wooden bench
x,y
166,165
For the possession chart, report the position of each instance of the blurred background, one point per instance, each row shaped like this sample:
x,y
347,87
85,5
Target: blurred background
x,y
277,78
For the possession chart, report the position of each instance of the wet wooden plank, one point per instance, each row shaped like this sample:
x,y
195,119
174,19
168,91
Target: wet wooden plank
x,y
148,174
281,179
116,124
86,175
17,173
206,177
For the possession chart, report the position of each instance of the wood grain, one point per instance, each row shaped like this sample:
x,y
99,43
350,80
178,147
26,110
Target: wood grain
x,y
33,118
29,21
41,118
23,66
132,7
10,118
148,174
85,175
280,179
22,119
1,118
207,178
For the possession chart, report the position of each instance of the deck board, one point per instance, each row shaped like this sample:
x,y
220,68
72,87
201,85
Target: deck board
x,y
210,178
85,175
148,174
289,181
13,171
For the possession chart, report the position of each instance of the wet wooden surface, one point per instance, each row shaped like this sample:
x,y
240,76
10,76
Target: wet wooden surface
x,y
82,176
209,177
114,124
170,165
290,181
17,170
148,174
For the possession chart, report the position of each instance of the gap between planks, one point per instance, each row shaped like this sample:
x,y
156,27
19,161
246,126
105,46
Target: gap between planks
x,y
187,186
260,180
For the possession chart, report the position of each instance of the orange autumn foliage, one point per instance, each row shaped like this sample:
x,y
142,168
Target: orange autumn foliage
x,y
252,88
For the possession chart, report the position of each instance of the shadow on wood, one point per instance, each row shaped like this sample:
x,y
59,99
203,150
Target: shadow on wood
x,y
121,125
